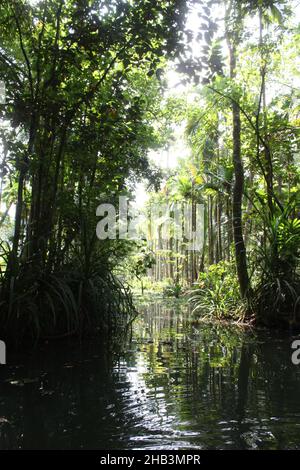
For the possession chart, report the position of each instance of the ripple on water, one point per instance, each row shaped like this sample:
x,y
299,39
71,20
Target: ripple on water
x,y
183,387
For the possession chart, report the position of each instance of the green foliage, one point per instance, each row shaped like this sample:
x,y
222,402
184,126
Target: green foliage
x,y
277,296
84,83
38,305
216,293
142,261
173,290
139,263
84,87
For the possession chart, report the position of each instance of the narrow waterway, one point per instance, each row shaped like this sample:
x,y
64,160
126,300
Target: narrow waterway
x,y
178,385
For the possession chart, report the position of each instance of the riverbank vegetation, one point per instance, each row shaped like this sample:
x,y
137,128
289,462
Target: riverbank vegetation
x,y
242,128
76,129
87,98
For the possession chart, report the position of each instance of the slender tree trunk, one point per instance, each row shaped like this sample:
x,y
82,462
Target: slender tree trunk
x,y
202,256
240,249
210,231
219,221
228,227
216,227
238,188
18,218
267,151
12,264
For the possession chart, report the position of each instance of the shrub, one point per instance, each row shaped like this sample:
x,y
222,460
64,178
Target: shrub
x,y
173,290
216,293
276,299
38,304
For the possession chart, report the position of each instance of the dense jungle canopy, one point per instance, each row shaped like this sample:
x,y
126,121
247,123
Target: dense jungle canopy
x,y
87,97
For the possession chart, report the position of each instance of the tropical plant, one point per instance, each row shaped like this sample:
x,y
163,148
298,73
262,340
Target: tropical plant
x,y
276,299
79,127
216,293
173,290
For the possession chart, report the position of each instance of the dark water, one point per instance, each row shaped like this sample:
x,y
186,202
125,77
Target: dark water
x,y
178,386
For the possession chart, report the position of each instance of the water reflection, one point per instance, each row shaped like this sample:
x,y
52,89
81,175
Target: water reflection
x,y
178,386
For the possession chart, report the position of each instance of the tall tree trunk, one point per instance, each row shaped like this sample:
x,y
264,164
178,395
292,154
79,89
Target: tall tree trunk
x,y
238,187
12,265
219,225
13,262
210,232
267,151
